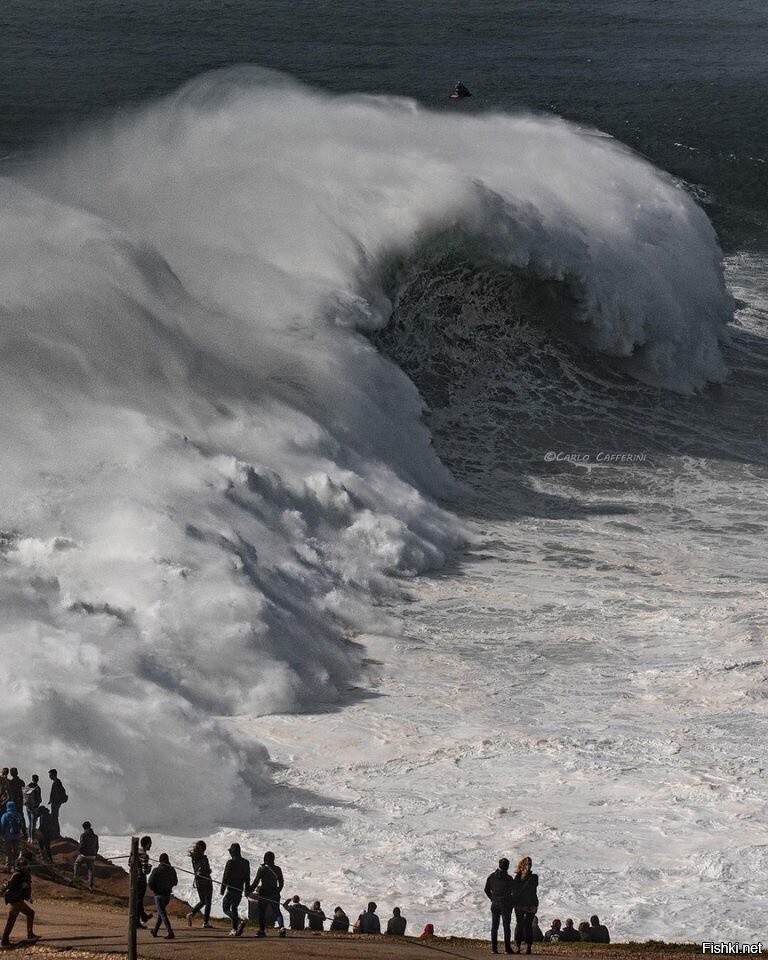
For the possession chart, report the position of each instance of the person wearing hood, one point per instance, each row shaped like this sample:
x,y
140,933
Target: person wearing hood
x,y
18,891
161,882
339,921
46,831
269,882
12,830
234,883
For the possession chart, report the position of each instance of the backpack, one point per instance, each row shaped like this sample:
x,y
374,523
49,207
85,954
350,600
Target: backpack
x,y
32,796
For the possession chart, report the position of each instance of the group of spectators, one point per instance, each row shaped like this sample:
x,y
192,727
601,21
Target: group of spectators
x,y
19,799
263,893
518,893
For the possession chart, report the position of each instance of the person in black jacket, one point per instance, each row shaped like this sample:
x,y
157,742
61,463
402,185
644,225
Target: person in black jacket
x,y
569,934
45,832
269,882
57,797
498,889
89,847
203,883
161,882
18,891
524,891
234,883
396,924
316,916
598,932
297,913
339,921
143,871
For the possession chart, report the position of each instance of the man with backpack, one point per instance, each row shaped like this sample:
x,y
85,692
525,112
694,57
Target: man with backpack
x,y
12,830
33,797
17,892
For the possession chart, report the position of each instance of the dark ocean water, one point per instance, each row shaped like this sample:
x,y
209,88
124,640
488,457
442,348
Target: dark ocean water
x,y
683,82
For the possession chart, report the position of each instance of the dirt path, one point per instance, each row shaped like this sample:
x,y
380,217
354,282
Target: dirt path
x,y
90,930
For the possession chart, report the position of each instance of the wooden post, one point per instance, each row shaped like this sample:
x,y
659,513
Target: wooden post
x,y
133,906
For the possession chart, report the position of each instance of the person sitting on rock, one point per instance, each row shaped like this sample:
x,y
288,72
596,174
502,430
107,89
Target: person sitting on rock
x,y
339,921
315,916
569,934
396,923
297,913
368,922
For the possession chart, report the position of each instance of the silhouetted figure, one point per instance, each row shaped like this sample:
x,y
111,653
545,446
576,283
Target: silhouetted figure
x,y
88,849
569,934
460,91
553,934
12,831
144,868
161,882
538,933
339,921
368,922
33,798
268,882
56,799
234,883
4,773
316,916
427,932
15,787
46,830
203,883
396,924
597,932
584,930
297,913
498,889
524,893
17,892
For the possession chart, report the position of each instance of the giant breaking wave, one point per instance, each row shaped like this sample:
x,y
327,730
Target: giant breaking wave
x,y
210,476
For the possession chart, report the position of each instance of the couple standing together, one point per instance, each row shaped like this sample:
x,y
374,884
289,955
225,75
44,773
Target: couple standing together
x,y
508,893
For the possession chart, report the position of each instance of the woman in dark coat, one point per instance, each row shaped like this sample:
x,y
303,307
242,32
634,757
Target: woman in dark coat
x,y
524,886
203,882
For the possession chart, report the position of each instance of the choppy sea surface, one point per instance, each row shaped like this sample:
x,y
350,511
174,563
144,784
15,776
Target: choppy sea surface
x,y
384,476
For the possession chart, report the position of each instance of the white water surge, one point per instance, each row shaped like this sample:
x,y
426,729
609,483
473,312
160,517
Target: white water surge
x,y
214,486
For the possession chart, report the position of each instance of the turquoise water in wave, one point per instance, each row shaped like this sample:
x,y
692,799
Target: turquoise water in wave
x,y
685,83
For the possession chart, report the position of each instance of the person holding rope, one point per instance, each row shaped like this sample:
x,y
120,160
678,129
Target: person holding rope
x,y
269,882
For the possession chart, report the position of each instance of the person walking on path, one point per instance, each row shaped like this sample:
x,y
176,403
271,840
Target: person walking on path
x,y
498,889
525,895
33,798
57,798
89,847
12,830
18,891
203,883
144,868
234,883
269,882
161,882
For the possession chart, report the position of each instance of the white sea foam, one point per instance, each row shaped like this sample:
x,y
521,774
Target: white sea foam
x,y
212,480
